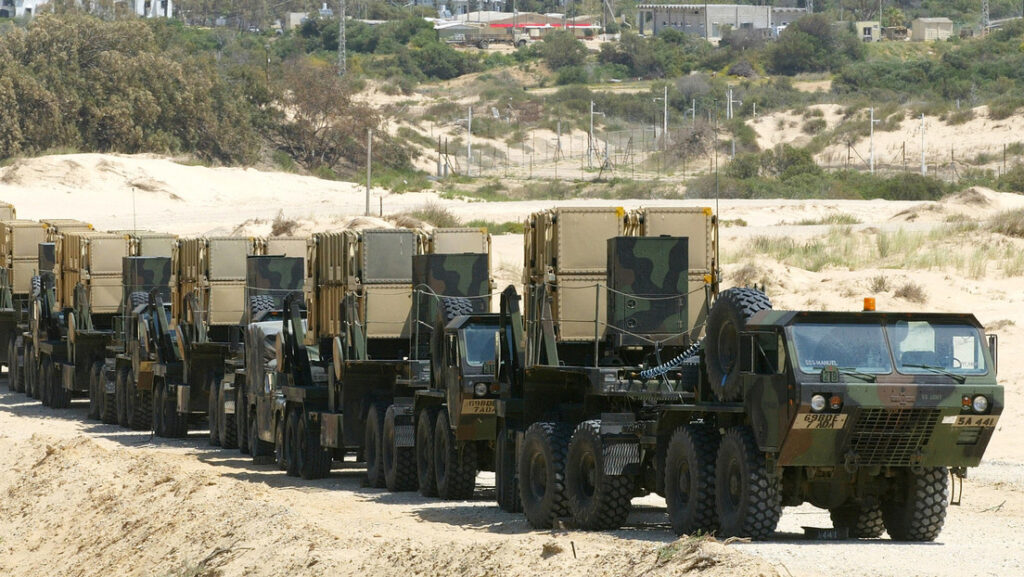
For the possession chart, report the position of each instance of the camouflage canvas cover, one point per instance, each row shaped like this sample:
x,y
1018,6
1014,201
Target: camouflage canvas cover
x,y
272,278
648,281
453,275
145,273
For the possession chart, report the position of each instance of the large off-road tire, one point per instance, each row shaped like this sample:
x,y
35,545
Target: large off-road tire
x,y
96,391
226,423
259,305
748,496
449,309
60,398
212,411
141,403
690,480
399,462
506,485
596,501
862,521
542,473
121,390
108,409
918,509
46,381
13,374
313,461
373,436
138,298
727,318
291,441
241,421
455,464
262,452
31,372
169,422
425,452
280,443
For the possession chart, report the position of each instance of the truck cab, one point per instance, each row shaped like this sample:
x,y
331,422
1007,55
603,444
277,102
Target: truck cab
x,y
466,373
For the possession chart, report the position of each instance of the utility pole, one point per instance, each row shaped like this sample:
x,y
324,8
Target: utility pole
x,y
469,143
728,109
590,144
369,156
693,112
341,49
924,167
872,152
664,126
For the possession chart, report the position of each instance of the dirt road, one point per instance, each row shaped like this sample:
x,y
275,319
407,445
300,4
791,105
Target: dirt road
x,y
79,498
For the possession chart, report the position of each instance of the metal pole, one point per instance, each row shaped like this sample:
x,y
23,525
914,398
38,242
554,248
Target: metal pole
x,y
664,126
469,143
871,154
924,167
369,155
590,145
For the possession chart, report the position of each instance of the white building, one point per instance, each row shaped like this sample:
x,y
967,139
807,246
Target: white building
x,y
710,20
144,8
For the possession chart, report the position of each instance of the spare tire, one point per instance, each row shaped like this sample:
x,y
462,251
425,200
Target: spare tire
x,y
727,318
260,305
450,308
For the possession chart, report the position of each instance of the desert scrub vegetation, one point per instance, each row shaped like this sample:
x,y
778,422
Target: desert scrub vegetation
x,y
838,218
1009,223
968,253
912,292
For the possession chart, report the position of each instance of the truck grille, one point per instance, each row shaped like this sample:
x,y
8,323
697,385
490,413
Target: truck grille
x,y
891,436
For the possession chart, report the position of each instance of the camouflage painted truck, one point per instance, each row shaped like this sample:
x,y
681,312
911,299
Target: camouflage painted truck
x,y
19,263
863,414
181,355
270,279
336,376
46,317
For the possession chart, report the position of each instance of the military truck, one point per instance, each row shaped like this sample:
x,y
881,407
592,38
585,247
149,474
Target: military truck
x,y
270,279
7,211
336,376
768,408
19,263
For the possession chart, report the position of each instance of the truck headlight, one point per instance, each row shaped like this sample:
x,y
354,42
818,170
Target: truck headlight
x,y
480,389
980,404
818,403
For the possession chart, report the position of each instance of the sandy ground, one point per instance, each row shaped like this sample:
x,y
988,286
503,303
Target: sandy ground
x,y
86,499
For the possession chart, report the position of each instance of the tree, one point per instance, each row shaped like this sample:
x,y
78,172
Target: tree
x,y
560,48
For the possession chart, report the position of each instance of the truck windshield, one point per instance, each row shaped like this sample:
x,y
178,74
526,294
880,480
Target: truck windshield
x,y
478,343
921,347
856,347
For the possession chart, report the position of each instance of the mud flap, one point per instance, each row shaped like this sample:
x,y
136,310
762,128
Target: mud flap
x,y
184,399
405,432
67,376
330,430
620,445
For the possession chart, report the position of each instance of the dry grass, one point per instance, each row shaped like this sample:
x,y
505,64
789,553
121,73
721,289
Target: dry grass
x,y
879,284
431,213
283,226
912,292
1010,223
838,218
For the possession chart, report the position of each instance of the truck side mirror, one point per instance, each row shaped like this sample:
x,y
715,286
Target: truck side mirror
x,y
993,349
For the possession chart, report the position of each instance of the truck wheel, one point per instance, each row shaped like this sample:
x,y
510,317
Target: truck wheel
x,y
542,473
372,437
506,486
108,408
399,462
121,387
291,442
241,421
96,391
60,398
747,495
917,511
425,452
13,373
280,454
454,464
690,480
211,410
260,450
596,500
727,318
159,411
29,365
483,44
520,43
138,298
314,461
863,522
226,424
46,381
141,403
259,305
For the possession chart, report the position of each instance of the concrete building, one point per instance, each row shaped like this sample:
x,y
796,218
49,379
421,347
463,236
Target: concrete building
x,y
869,31
931,29
144,8
19,8
709,21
